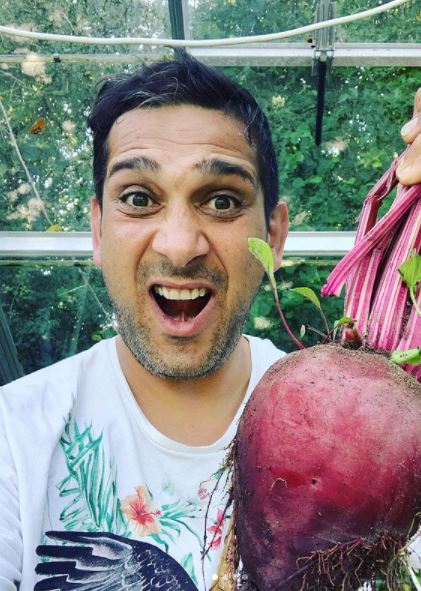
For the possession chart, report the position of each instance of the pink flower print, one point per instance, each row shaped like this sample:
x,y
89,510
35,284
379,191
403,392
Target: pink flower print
x,y
140,512
202,493
216,530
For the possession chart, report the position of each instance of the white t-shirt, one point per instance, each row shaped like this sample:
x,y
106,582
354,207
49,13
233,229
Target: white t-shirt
x,y
77,455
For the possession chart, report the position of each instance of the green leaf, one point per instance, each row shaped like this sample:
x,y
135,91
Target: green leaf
x,y
309,294
342,321
411,356
302,330
315,180
410,270
262,251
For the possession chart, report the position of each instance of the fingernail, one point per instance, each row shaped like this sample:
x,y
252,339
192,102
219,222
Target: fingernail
x,y
409,127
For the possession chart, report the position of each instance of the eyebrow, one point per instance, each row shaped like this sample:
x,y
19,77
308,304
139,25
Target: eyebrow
x,y
135,163
217,167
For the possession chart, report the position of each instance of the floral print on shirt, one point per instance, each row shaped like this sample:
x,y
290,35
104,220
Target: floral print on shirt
x,y
94,506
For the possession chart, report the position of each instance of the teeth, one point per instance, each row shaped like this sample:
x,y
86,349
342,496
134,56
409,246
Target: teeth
x,y
179,294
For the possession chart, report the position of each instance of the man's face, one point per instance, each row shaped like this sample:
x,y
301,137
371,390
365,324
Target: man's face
x,y
181,197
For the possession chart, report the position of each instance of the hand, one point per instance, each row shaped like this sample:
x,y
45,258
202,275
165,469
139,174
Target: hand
x,y
409,170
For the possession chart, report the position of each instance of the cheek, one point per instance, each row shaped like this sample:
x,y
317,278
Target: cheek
x,y
247,274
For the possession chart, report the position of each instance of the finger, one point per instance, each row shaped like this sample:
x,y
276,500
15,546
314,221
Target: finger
x,y
409,170
411,129
417,102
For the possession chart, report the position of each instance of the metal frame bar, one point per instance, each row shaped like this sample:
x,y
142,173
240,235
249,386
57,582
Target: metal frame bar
x,y
175,8
269,54
78,244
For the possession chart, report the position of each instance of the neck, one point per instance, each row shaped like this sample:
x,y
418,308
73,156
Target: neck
x,y
193,412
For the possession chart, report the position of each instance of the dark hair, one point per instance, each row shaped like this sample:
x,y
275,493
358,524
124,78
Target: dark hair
x,y
178,82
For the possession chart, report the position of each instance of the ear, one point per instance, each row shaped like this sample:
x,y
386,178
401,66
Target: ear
x,y
96,231
277,232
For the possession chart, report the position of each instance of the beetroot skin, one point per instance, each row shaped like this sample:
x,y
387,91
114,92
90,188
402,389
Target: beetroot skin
x,y
327,479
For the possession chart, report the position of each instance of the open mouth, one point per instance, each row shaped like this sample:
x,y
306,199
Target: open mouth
x,y
181,304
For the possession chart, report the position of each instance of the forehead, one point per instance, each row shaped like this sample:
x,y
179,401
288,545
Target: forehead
x,y
179,132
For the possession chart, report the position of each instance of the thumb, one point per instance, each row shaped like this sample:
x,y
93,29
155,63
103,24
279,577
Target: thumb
x,y
411,129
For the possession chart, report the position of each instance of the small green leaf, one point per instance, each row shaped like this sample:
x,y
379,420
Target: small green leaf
x,y
315,180
343,320
302,330
411,356
308,293
410,270
263,253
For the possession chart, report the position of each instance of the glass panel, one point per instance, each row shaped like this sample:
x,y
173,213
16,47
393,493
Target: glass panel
x,y
364,109
93,18
400,25
324,186
56,308
46,110
234,18
213,19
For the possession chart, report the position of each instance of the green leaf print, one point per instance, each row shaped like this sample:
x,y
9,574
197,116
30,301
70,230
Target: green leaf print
x,y
188,565
172,518
91,484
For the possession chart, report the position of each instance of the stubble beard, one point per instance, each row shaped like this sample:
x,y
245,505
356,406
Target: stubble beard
x,y
182,365
137,337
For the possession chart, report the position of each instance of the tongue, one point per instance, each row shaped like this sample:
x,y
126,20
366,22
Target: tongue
x,y
182,310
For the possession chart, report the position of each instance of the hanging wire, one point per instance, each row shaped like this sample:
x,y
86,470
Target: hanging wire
x,y
202,42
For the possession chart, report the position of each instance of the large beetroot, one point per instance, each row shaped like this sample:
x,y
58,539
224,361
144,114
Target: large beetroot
x,y
328,470
327,464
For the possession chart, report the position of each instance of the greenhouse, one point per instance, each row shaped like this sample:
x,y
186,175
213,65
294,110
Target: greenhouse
x,y
337,81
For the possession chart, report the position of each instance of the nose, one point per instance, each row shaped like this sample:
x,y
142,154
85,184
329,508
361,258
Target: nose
x,y
179,236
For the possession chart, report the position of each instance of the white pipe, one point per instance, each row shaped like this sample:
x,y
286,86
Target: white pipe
x,y
203,42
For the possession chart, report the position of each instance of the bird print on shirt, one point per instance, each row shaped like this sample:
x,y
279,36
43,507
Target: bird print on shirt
x,y
98,561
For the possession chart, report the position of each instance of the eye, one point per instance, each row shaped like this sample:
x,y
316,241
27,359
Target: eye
x,y
138,199
224,203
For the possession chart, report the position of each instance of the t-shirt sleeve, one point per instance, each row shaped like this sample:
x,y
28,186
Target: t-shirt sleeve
x,y
10,530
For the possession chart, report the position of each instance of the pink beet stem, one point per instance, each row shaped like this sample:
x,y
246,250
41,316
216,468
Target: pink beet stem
x,y
382,229
360,288
372,202
285,323
376,296
388,309
361,280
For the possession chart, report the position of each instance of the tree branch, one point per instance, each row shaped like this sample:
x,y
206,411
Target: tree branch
x,y
25,168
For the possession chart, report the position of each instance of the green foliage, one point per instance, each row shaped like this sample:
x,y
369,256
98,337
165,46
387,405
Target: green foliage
x,y
228,18
324,186
54,310
58,156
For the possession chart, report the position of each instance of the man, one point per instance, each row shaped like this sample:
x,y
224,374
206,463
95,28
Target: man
x,y
112,462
